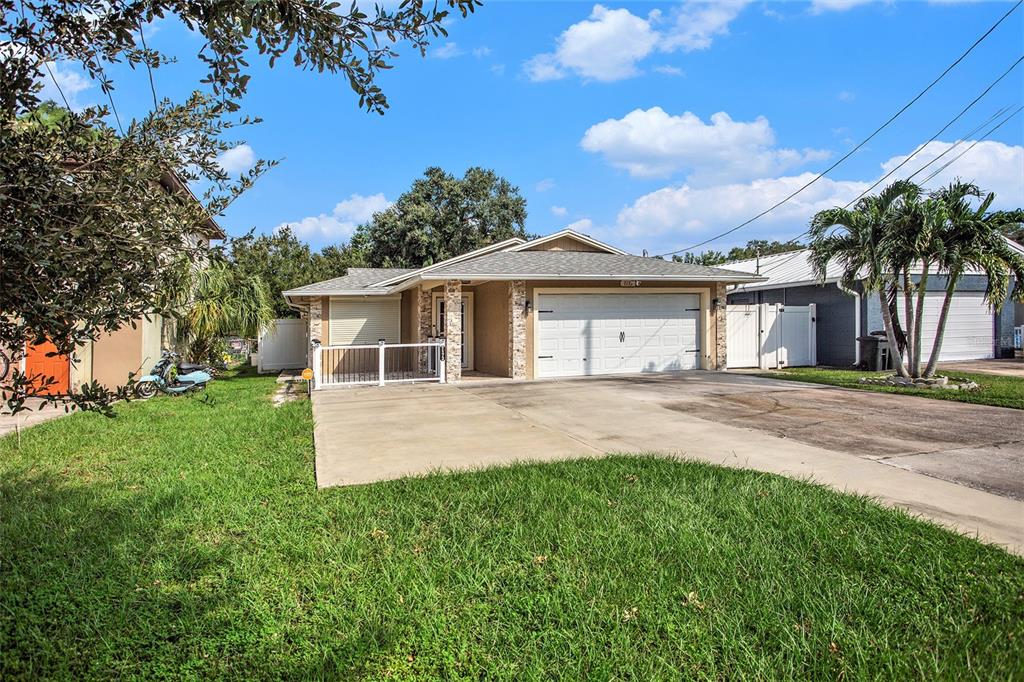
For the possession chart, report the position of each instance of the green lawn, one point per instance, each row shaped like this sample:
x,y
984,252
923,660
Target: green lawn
x,y
1001,391
185,539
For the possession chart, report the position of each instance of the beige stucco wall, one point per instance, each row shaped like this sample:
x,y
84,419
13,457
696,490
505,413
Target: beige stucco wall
x,y
490,329
709,328
410,323
117,354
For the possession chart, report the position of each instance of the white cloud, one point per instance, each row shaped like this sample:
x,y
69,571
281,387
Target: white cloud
x,y
993,166
481,52
342,221
604,47
237,159
581,225
846,96
545,185
669,70
691,213
820,6
559,210
610,43
498,69
697,23
64,80
653,143
700,211
447,51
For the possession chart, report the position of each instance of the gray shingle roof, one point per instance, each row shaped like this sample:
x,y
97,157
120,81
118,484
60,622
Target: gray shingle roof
x,y
357,278
580,264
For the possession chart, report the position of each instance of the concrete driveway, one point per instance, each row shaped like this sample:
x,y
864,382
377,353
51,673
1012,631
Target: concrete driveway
x,y
961,465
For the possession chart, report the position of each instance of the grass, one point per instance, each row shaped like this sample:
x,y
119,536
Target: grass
x,y
186,539
1000,391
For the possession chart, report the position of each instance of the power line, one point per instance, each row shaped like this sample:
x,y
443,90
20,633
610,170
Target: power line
x,y
944,128
962,140
859,145
1001,111
152,83
973,145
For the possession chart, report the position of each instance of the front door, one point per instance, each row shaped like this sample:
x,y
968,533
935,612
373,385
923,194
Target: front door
x,y
41,360
466,336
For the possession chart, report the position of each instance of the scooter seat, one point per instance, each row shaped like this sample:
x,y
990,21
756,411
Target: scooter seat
x,y
188,368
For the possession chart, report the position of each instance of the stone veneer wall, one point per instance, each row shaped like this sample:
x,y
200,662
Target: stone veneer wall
x,y
453,330
517,329
316,326
423,322
720,329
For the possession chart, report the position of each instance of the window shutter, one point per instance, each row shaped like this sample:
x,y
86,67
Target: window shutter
x,y
365,321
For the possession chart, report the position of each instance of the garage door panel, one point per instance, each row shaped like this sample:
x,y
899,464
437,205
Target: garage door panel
x,y
970,327
617,333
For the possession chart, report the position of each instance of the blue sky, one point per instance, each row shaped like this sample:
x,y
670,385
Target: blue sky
x,y
650,125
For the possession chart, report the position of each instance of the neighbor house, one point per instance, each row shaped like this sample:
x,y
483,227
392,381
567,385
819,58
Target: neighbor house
x,y
113,356
561,305
973,329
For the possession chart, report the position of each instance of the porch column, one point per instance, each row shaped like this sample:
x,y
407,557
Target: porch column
x,y
316,327
720,328
423,323
453,330
517,329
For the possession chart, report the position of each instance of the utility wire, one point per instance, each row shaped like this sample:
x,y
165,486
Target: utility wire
x,y
944,128
984,123
973,145
149,69
859,145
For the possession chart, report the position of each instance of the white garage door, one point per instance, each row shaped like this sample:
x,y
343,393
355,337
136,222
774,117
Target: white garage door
x,y
970,327
586,334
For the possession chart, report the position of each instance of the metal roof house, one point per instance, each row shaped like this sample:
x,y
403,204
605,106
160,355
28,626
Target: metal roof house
x,y
973,330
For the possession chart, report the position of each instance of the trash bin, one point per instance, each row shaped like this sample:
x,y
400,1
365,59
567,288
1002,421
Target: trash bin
x,y
868,352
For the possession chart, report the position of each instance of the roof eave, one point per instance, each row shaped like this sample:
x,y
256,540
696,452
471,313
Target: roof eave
x,y
612,276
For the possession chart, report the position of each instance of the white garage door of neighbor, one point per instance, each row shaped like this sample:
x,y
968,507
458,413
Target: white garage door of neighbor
x,y
588,334
970,327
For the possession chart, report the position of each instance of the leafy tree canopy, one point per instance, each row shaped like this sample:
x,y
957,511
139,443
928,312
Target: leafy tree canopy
x,y
442,216
753,249
87,243
284,262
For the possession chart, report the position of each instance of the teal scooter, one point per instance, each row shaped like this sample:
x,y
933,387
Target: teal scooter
x,y
172,377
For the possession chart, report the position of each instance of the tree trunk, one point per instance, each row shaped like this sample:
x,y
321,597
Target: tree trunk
x,y
894,351
908,316
892,296
940,329
922,286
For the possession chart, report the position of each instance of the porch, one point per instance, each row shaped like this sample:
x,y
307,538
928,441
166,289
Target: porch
x,y
437,332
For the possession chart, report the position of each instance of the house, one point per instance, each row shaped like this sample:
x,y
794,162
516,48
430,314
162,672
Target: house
x,y
973,330
557,306
113,356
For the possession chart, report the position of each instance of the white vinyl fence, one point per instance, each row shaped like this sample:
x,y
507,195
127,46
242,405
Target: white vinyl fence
x,y
380,363
283,345
771,336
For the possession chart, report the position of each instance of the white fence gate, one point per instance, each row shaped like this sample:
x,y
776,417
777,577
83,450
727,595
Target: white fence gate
x,y
770,336
283,345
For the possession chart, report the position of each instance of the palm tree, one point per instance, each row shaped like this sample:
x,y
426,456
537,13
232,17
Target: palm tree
x,y
973,237
221,301
864,247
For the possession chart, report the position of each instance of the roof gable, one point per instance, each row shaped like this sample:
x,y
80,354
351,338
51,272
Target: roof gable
x,y
499,246
568,240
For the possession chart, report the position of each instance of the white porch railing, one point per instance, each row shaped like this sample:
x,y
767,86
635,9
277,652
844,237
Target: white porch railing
x,y
381,363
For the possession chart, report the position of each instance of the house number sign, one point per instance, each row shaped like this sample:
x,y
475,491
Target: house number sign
x,y
629,283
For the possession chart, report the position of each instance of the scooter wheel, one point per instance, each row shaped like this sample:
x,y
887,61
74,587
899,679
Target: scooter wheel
x,y
147,389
